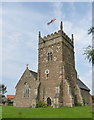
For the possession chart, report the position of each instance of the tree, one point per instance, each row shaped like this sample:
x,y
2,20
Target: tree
x,y
2,89
89,51
2,92
91,30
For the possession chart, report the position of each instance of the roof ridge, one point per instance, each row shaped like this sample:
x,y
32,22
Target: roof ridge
x,y
83,84
32,71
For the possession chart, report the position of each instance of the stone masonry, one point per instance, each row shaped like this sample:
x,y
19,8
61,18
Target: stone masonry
x,y
56,81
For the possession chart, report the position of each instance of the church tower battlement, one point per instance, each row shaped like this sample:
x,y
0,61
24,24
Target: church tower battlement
x,y
51,38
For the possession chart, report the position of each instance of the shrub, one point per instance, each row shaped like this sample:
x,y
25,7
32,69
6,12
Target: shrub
x,y
10,104
3,96
30,107
78,104
40,104
3,101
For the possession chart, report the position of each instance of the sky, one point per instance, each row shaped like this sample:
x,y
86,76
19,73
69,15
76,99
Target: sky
x,y
21,23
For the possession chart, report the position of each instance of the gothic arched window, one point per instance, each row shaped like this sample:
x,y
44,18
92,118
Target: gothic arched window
x,y
26,92
50,56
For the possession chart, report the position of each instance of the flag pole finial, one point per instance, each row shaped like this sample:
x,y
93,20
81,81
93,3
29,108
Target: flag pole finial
x,y
61,26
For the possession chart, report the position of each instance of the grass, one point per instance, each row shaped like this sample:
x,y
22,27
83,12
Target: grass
x,y
0,113
64,112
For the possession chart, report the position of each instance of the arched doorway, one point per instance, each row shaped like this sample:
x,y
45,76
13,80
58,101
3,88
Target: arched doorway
x,y
48,101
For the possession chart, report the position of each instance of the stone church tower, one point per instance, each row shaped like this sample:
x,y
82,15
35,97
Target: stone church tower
x,y
56,70
56,82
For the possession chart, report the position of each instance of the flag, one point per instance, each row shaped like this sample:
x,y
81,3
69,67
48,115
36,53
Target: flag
x,y
51,21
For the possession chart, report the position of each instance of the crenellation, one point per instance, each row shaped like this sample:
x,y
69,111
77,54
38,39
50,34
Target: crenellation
x,y
52,35
59,31
48,36
67,37
55,38
55,33
64,33
45,37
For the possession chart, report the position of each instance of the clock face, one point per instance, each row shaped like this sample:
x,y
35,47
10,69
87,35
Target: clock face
x,y
47,71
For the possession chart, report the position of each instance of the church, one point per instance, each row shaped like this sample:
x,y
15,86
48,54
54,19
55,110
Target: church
x,y
56,83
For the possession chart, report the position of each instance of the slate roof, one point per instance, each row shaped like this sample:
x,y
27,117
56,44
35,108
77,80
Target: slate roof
x,y
82,85
33,73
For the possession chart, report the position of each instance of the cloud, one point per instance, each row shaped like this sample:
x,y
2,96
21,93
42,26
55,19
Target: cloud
x,y
87,79
0,43
81,38
20,44
20,38
57,13
47,0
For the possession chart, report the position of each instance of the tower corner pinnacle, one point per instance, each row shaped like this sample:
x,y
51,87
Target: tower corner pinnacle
x,y
61,26
72,38
39,34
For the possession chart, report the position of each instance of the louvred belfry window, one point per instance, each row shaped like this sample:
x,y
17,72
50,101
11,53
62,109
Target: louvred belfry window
x,y
50,56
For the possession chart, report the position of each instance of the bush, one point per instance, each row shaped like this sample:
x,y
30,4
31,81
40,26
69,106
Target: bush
x,y
78,104
10,104
3,96
40,104
30,107
3,101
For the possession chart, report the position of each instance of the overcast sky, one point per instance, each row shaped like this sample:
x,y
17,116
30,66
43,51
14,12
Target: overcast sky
x,y
21,23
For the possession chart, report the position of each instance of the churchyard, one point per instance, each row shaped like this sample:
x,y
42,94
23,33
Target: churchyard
x,y
64,112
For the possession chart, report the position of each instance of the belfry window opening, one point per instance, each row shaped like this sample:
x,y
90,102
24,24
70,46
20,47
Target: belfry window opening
x,y
50,56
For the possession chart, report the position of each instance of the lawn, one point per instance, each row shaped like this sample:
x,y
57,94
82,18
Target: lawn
x,y
64,112
0,112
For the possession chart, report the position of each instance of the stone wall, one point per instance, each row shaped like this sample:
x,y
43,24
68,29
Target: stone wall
x,y
57,77
86,97
27,79
68,99
70,74
50,82
62,49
